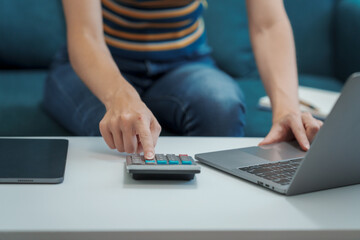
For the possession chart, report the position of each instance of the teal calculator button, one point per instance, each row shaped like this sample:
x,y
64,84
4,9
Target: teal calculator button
x,y
162,162
173,162
186,162
150,161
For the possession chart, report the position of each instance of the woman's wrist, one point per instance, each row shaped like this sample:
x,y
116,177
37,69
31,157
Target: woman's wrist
x,y
281,112
284,101
120,92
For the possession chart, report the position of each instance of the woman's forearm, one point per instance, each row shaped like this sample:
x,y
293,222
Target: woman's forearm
x,y
88,52
93,63
274,49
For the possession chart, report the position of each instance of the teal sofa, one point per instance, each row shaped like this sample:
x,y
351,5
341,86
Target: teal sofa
x,y
327,36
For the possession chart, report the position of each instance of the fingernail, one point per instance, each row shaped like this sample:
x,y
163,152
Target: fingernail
x,y
307,146
149,155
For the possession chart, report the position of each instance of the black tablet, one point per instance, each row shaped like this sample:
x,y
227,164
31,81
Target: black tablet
x,y
32,160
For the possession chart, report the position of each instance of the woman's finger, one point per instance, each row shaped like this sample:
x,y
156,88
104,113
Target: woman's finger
x,y
311,125
130,141
145,136
116,134
106,134
155,130
273,136
298,130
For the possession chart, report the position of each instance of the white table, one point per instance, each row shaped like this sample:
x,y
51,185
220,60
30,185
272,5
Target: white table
x,y
99,200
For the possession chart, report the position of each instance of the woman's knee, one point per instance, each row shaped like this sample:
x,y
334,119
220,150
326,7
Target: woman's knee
x,y
223,116
218,109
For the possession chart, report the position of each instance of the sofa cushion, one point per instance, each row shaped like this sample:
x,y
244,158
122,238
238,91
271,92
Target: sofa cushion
x,y
312,21
21,113
227,31
348,38
31,32
313,24
258,122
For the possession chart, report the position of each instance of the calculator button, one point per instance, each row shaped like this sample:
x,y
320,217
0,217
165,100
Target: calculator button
x,y
185,159
172,157
152,161
161,162
173,162
136,160
160,157
186,162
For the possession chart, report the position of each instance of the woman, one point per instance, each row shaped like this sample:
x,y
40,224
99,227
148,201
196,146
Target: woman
x,y
136,65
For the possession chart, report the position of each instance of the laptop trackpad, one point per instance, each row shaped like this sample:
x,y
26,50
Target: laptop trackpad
x,y
277,152
241,157
260,154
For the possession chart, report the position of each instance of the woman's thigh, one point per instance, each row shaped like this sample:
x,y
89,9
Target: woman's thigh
x,y
198,99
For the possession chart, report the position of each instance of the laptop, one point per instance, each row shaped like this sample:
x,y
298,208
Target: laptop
x,y
27,160
333,159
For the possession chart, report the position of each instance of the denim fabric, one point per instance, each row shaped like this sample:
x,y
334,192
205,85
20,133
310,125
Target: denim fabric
x,y
188,97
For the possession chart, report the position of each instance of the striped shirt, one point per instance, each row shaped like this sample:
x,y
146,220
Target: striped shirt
x,y
154,29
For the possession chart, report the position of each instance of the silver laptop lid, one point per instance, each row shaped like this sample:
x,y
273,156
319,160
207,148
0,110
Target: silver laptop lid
x,y
334,157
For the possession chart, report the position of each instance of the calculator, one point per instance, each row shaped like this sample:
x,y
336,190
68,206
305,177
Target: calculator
x,y
162,167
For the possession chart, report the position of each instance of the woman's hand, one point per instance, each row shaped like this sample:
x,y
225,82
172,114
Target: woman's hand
x,y
128,125
301,126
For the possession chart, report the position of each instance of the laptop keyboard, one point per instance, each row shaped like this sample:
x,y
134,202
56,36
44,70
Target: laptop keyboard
x,y
279,172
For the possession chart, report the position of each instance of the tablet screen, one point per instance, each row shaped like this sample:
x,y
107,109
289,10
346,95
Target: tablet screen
x,y
32,160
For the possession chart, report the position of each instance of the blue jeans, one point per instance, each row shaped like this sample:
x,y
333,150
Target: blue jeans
x,y
188,97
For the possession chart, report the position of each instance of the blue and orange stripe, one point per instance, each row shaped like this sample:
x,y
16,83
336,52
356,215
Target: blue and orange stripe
x,y
153,28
